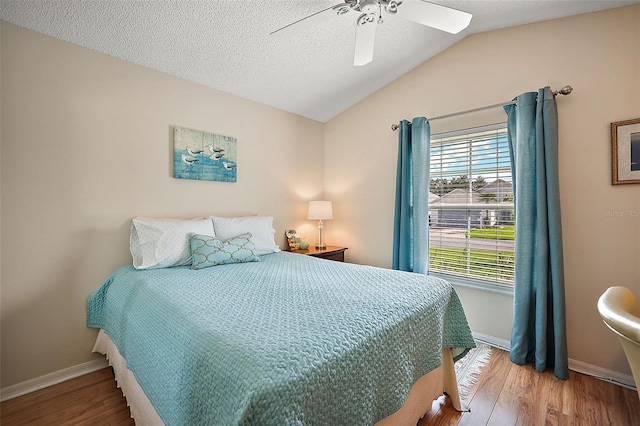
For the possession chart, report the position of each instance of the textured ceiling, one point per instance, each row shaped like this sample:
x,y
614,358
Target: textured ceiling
x,y
225,44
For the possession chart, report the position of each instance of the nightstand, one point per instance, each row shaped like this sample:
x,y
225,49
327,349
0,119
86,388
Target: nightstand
x,y
329,252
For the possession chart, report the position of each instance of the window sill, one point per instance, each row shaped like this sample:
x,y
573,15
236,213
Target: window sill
x,y
477,284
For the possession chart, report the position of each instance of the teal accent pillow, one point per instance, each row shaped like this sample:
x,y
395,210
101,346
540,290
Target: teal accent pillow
x,y
210,251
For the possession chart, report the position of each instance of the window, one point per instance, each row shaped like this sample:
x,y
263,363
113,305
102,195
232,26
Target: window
x,y
471,210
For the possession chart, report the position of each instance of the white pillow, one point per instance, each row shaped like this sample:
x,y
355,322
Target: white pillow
x,y
163,243
260,228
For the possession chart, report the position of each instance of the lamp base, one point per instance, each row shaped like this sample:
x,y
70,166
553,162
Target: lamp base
x,y
321,244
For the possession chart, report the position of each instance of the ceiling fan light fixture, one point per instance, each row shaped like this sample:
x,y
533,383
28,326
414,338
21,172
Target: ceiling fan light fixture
x,y
392,6
341,9
365,18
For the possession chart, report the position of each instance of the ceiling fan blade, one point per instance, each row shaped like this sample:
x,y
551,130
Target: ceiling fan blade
x,y
310,21
365,39
433,15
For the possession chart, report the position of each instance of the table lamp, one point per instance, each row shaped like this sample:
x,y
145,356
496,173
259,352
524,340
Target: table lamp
x,y
320,210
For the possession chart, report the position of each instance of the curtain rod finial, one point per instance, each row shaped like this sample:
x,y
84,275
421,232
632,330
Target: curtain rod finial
x,y
564,91
394,127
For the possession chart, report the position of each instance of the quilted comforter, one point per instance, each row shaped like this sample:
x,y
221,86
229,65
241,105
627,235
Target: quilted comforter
x,y
289,340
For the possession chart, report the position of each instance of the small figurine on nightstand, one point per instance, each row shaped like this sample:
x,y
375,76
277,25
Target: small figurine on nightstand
x,y
292,239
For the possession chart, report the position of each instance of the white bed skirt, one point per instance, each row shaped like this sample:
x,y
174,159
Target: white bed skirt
x,y
142,410
426,389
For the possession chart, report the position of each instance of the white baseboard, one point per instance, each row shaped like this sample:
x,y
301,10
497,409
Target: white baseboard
x,y
600,373
604,374
88,367
51,379
492,341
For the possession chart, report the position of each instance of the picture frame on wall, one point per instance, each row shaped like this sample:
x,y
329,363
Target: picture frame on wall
x,y
200,155
625,149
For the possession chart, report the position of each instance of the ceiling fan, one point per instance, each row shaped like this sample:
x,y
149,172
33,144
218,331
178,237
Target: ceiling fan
x,y
371,11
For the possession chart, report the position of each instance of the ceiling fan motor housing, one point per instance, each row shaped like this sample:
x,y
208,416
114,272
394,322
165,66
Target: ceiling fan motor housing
x,y
369,6
374,6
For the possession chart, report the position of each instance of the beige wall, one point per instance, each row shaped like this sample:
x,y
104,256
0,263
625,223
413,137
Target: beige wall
x,y
86,146
599,55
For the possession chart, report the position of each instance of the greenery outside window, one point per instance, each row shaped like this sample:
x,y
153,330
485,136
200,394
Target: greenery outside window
x,y
471,209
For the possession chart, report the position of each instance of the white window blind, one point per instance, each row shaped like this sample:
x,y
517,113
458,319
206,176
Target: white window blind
x,y
471,210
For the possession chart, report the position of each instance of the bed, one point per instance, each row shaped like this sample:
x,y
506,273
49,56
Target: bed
x,y
288,339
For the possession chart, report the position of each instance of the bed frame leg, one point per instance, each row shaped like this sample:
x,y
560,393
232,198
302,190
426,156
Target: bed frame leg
x,y
450,380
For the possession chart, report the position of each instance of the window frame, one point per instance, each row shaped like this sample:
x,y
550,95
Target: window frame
x,y
468,281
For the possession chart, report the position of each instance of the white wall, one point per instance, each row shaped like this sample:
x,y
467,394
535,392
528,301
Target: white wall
x,y
86,146
599,55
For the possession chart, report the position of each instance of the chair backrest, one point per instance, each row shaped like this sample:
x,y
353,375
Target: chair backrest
x,y
620,311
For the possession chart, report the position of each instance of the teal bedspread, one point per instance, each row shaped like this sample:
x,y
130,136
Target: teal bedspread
x,y
290,340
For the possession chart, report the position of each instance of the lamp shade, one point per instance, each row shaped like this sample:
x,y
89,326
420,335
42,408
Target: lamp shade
x,y
320,210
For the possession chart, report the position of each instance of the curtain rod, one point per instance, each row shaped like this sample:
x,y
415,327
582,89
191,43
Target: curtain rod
x,y
564,91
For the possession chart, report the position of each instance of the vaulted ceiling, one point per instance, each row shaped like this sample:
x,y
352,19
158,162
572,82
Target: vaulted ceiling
x,y
226,44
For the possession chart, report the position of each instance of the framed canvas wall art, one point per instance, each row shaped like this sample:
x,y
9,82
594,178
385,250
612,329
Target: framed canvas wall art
x,y
202,155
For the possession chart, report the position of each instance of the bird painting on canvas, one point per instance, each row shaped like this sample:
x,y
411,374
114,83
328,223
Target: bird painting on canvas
x,y
202,155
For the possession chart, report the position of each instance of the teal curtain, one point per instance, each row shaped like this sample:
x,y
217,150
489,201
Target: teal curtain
x,y
411,223
539,323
